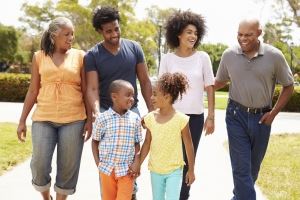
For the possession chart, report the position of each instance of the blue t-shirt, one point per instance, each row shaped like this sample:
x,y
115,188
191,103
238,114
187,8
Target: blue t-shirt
x,y
111,67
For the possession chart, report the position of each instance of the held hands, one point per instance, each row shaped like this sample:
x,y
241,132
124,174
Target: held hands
x,y
209,125
21,132
190,177
134,169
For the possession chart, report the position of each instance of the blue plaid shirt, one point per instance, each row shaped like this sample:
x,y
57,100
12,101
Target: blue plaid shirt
x,y
117,135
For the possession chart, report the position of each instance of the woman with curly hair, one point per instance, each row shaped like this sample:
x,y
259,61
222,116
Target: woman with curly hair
x,y
184,31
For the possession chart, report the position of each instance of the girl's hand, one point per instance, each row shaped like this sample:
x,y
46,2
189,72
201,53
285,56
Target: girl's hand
x,y
21,131
87,130
134,170
209,125
190,177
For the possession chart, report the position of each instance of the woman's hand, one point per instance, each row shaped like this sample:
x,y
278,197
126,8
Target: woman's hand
x,y
87,130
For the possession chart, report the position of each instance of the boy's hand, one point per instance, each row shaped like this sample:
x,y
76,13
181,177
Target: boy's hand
x,y
134,169
190,177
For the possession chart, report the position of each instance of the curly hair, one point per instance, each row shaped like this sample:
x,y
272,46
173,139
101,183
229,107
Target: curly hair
x,y
174,84
177,22
103,15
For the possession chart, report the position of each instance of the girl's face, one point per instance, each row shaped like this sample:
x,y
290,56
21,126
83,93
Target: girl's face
x,y
64,37
188,37
159,99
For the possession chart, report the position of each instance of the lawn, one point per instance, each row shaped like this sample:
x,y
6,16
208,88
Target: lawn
x,y
279,178
12,151
220,100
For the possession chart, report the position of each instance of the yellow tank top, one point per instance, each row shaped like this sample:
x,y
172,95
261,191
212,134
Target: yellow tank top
x,y
166,144
60,98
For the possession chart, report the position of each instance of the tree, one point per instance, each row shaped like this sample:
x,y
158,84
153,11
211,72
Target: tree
x,y
215,52
8,44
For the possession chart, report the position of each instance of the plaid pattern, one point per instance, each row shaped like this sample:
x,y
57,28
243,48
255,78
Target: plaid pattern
x,y
117,135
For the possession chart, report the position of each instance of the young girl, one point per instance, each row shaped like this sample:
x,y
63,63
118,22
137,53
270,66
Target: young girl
x,y
166,128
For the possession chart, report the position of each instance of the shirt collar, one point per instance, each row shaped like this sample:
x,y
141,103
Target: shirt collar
x,y
112,112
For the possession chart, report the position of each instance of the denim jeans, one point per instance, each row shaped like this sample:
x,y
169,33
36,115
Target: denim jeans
x,y
196,127
248,141
166,186
69,141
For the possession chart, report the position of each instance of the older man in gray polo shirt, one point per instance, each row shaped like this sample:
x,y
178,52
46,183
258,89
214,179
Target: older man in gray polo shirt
x,y
252,68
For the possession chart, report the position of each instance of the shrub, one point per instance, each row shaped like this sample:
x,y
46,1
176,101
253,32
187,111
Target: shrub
x,y
293,104
13,87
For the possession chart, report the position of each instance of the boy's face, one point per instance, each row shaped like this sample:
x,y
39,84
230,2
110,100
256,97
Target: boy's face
x,y
124,98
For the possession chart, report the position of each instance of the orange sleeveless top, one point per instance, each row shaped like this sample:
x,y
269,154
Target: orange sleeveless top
x,y
60,98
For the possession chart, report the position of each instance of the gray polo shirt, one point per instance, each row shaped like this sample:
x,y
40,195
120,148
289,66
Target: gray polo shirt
x,y
252,82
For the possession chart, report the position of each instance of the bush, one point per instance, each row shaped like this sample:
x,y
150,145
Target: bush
x,y
13,87
294,103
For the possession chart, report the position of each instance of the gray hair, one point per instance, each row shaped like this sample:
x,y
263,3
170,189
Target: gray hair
x,y
47,41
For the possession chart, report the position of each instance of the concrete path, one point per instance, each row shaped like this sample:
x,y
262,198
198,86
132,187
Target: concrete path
x,y
213,171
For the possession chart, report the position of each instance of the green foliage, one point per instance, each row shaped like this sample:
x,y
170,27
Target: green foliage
x,y
294,103
12,152
215,52
8,44
13,87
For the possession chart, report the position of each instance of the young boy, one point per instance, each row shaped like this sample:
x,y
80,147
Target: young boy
x,y
115,145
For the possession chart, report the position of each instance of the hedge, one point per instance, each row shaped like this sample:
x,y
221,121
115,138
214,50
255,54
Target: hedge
x,y
13,87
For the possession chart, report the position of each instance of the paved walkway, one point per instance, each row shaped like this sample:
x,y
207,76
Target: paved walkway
x,y
213,171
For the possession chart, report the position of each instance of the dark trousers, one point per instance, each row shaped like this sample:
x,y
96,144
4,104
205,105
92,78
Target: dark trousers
x,y
248,141
196,127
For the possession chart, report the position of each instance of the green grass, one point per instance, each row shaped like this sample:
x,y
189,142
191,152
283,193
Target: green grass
x,y
220,100
279,177
12,151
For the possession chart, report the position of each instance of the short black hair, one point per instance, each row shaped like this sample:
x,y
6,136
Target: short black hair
x,y
103,15
117,85
179,21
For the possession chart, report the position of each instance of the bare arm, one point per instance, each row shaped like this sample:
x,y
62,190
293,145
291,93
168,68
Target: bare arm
x,y
30,100
187,140
145,147
92,91
145,83
88,124
134,169
95,151
282,100
209,125
219,85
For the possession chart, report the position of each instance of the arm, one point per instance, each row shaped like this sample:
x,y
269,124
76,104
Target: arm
x,y
145,147
187,140
219,85
134,169
283,98
30,100
209,125
88,124
92,91
145,83
95,150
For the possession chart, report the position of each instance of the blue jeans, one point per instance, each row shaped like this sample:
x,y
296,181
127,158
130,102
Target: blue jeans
x,y
196,126
69,141
248,141
166,186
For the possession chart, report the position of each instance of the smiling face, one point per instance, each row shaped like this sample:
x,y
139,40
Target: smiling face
x,y
111,33
123,99
188,37
64,37
248,34
159,99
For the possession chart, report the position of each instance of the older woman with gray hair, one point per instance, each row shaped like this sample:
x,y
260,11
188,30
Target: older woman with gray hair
x,y
61,118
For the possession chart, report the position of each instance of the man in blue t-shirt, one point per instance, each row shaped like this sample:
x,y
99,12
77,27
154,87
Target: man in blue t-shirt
x,y
111,59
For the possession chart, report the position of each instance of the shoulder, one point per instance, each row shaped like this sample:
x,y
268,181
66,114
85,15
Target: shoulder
x,y
78,52
133,115
269,49
94,49
129,42
202,55
182,116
